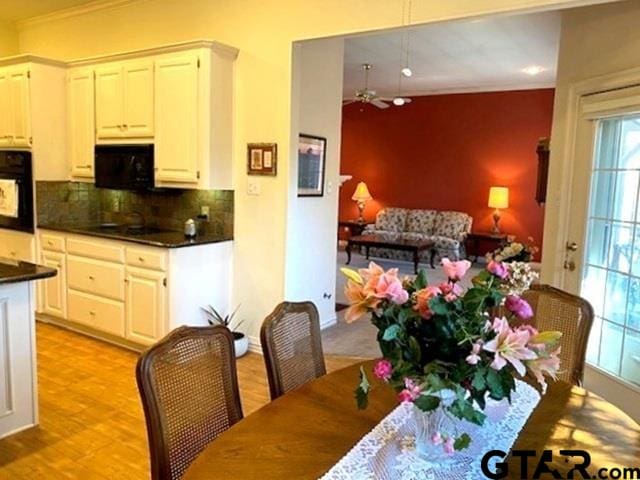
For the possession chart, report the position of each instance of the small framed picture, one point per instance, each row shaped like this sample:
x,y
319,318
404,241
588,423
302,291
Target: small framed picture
x,y
312,152
262,159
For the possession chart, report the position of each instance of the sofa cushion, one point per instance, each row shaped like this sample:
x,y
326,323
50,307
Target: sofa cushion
x,y
452,224
392,219
421,221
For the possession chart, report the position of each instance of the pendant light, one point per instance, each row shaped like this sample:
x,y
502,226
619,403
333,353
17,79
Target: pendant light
x,y
406,69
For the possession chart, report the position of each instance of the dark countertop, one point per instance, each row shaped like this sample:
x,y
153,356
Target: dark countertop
x,y
156,237
14,271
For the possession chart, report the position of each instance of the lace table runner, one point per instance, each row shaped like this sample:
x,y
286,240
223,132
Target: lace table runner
x,y
388,451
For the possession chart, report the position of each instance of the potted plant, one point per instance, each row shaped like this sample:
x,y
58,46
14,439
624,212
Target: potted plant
x,y
241,342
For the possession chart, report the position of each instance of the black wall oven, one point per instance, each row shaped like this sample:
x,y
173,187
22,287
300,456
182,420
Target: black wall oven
x,y
16,166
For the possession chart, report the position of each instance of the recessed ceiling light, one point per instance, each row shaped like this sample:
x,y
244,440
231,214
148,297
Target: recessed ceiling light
x,y
398,101
533,70
406,71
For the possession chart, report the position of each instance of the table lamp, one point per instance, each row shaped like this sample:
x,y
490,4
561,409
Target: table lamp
x,y
361,196
498,198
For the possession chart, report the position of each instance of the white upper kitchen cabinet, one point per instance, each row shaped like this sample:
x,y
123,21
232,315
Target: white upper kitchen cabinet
x,y
194,116
33,105
15,125
124,100
176,142
81,122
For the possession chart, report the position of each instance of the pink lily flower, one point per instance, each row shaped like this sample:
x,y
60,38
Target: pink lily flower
x,y
436,438
510,346
389,287
542,365
455,270
360,302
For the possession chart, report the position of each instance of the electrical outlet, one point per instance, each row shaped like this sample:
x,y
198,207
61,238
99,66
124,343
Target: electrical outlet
x,y
205,210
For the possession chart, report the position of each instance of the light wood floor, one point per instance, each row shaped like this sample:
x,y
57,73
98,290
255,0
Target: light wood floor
x,y
91,421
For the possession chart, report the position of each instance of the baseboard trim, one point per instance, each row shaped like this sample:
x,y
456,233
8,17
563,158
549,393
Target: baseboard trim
x,y
254,344
330,322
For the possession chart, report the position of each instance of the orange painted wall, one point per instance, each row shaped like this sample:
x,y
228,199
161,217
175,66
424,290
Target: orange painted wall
x,y
444,152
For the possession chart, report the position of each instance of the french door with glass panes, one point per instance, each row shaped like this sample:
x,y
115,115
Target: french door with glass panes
x,y
603,251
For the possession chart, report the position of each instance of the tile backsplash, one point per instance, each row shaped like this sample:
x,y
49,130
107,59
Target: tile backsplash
x,y
83,203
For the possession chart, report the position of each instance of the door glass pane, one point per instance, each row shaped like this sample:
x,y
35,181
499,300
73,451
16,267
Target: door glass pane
x,y
611,275
631,357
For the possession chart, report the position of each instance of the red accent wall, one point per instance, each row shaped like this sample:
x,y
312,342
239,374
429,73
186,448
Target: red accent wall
x,y
443,152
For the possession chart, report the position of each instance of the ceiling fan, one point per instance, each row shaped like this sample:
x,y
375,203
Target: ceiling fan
x,y
366,95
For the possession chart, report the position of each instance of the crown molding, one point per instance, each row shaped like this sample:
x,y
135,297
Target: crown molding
x,y
29,58
70,12
220,48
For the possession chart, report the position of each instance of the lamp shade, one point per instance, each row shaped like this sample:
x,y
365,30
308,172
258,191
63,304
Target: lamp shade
x,y
362,193
498,197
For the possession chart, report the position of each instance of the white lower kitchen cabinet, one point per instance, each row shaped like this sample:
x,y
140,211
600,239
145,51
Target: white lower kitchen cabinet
x,y
130,293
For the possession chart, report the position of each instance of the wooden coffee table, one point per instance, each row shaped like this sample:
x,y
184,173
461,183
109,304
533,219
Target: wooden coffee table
x,y
416,247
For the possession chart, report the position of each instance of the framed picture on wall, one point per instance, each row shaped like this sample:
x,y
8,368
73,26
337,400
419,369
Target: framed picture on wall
x,y
262,159
312,153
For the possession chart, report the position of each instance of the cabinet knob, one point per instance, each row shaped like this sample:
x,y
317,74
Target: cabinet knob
x,y
125,126
141,259
91,277
92,313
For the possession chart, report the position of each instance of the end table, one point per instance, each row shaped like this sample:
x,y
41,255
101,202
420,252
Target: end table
x,y
488,240
355,227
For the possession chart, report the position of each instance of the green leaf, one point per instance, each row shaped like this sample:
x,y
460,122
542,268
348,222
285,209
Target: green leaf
x,y
414,348
391,333
362,391
462,442
427,403
463,409
421,280
478,381
435,382
439,306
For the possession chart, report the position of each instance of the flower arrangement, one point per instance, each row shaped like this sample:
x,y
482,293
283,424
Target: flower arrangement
x,y
514,251
440,341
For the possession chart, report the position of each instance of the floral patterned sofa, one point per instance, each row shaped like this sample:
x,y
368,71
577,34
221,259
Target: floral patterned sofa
x,y
447,230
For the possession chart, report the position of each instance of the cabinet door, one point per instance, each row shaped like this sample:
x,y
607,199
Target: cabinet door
x,y
80,121
138,99
20,110
176,140
5,108
55,288
145,305
109,102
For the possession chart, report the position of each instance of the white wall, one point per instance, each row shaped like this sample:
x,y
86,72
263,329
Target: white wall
x,y
312,221
594,41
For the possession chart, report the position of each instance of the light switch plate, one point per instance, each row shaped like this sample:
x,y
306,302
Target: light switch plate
x,y
204,210
253,188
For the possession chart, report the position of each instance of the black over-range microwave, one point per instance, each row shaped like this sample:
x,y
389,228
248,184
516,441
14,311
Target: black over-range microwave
x,y
124,167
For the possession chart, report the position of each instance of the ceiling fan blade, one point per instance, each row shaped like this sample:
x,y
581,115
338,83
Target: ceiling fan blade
x,y
407,100
379,103
348,102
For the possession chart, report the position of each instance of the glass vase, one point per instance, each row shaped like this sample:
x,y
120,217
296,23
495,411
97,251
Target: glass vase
x,y
433,428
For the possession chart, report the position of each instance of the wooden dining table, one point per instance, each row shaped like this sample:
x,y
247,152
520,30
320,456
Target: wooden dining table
x,y
302,434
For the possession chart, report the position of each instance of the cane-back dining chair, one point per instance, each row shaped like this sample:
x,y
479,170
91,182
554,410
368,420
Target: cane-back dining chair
x,y
292,347
555,309
189,389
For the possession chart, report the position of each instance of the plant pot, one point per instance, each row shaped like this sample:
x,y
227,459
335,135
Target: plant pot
x,y
240,343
